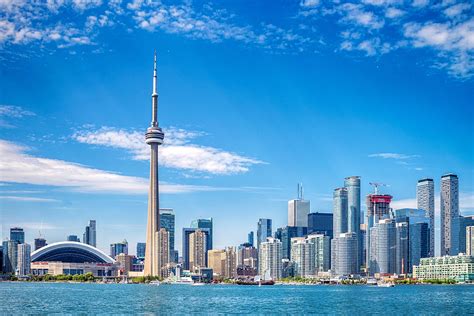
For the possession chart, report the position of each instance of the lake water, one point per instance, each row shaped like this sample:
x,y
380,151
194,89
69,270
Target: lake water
x,y
41,298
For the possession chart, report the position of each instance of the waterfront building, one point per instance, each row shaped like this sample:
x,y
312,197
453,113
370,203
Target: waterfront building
x,y
460,268
426,201
340,218
167,221
270,259
250,238
320,223
464,222
264,230
10,256
449,215
378,208
285,234
124,262
39,243
302,255
90,234
186,247
205,223
154,137
141,246
198,249
470,241
24,260
322,251
216,261
345,254
73,238
118,248
17,234
163,243
298,210
71,258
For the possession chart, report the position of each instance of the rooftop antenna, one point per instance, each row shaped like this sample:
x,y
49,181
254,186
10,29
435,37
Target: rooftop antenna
x,y
300,191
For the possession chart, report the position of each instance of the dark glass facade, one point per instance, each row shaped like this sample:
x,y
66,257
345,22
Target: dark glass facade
x,y
320,223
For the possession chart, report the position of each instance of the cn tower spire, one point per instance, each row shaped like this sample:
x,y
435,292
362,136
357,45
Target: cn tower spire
x,y
154,96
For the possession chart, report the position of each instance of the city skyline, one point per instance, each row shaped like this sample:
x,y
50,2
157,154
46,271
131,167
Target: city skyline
x,y
74,162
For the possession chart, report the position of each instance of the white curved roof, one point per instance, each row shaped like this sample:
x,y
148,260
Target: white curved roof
x,y
71,244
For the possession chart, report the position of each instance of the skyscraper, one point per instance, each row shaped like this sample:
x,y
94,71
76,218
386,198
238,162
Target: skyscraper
x,y
322,252
141,246
40,243
345,248
464,222
207,224
264,230
163,251
270,259
386,247
197,249
449,215
89,236
470,241
320,223
73,238
402,248
154,137
285,235
118,248
303,257
17,234
352,185
10,256
250,238
186,248
426,201
298,210
167,221
378,207
24,259
340,219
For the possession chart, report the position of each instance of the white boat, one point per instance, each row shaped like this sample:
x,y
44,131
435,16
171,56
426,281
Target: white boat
x,y
385,284
197,283
371,282
155,282
183,281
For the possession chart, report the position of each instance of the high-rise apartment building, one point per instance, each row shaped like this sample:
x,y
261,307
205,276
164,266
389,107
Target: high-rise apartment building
x,y
40,243
205,223
17,234
141,248
352,185
345,256
270,259
10,256
426,201
247,257
285,234
163,243
24,259
378,208
322,252
385,260
198,249
298,211
449,215
340,212
250,238
167,221
402,248
303,257
470,241
320,223
89,236
186,248
118,248
264,230
464,222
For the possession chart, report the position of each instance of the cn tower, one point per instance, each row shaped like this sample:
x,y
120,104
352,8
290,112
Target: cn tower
x,y
153,137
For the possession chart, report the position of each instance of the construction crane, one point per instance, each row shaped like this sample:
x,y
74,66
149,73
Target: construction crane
x,y
376,186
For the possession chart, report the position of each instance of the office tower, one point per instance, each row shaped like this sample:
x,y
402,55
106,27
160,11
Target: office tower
x,y
340,224
363,245
322,252
186,247
378,207
205,223
153,137
264,230
141,246
230,269
449,215
303,257
386,247
402,248
40,243
426,201
163,243
17,234
197,249
250,238
10,256
270,259
216,261
285,235
167,221
320,223
118,248
24,259
73,238
89,236
298,210
464,222
470,241
352,185
345,249
247,255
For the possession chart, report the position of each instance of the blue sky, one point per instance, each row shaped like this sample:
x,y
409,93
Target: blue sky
x,y
254,98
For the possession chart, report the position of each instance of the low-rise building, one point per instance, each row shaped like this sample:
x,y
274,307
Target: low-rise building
x,y
460,268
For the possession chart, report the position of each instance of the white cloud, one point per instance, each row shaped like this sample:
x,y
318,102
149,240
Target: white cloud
x,y
177,151
358,15
27,199
457,9
396,156
19,167
466,203
393,13
309,3
420,3
14,111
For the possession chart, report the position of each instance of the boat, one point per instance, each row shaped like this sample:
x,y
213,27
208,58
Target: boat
x,y
371,282
197,283
385,284
155,282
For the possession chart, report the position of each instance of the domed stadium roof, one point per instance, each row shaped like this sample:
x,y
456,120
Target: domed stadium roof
x,y
70,251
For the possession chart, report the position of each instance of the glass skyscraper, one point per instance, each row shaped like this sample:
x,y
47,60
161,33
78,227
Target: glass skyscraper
x,y
464,222
285,234
207,224
320,223
141,247
17,234
90,235
264,230
449,215
167,221
425,201
186,247
340,218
